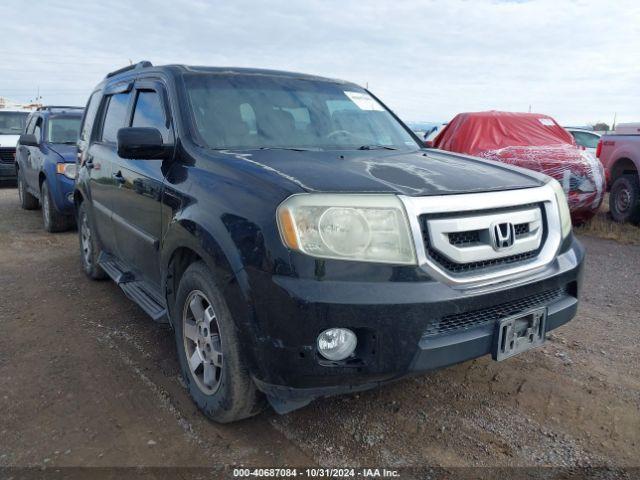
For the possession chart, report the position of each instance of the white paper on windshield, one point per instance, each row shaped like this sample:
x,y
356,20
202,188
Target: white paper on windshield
x,y
364,101
546,121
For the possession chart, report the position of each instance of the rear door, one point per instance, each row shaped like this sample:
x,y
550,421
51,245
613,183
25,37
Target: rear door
x,y
137,208
100,158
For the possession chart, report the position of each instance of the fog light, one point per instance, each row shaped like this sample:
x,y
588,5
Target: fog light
x,y
337,343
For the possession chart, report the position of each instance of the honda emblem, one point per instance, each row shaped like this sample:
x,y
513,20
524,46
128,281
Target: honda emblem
x,y
503,235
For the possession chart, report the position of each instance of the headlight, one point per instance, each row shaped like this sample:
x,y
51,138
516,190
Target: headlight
x,y
563,207
69,170
368,228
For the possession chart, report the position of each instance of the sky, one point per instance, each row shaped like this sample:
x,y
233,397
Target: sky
x,y
427,60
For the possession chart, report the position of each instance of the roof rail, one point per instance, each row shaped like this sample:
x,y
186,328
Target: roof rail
x,y
58,107
135,66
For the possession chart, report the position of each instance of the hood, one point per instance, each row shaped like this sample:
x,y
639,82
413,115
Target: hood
x,y
8,140
419,173
67,152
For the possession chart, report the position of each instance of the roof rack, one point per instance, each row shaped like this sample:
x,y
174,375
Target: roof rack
x,y
58,107
135,66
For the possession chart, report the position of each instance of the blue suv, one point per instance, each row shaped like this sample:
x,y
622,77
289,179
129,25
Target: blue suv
x,y
46,164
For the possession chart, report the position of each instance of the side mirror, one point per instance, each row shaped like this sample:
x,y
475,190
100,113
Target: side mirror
x,y
141,143
28,140
428,143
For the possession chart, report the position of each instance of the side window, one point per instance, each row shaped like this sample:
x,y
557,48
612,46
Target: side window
x,y
114,116
89,116
150,113
37,131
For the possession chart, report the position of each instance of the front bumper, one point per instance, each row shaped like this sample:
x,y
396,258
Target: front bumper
x,y
402,327
62,194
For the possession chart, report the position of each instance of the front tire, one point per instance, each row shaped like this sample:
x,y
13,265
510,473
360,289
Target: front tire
x,y
53,220
624,199
27,201
89,246
209,350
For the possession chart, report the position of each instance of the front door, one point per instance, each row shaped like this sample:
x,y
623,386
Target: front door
x,y
100,159
137,208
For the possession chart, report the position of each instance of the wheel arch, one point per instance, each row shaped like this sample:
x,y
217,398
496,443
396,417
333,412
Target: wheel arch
x,y
187,242
622,166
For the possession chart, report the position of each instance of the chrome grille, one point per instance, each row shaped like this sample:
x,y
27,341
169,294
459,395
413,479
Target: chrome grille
x,y
482,264
465,238
467,249
474,318
522,229
7,155
500,205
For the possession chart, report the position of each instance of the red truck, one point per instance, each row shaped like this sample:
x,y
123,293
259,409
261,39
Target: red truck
x,y
619,153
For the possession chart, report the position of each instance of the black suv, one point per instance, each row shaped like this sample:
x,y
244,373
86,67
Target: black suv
x,y
301,240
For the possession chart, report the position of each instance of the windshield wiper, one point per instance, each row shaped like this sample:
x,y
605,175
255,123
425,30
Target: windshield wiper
x,y
376,147
295,149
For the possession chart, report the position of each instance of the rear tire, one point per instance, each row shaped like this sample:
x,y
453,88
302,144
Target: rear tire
x,y
624,199
27,201
209,350
89,246
53,220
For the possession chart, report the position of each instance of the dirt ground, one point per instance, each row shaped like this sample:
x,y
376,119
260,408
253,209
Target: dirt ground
x,y
86,378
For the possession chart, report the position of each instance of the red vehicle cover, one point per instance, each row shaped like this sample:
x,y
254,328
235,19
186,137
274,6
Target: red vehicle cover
x,y
533,141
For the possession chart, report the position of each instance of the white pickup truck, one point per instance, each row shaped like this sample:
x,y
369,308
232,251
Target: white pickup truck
x,y
13,120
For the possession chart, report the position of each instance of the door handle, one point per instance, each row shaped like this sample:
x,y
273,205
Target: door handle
x,y
118,177
88,162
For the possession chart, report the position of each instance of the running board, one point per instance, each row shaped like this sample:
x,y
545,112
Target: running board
x,y
148,302
152,304
114,269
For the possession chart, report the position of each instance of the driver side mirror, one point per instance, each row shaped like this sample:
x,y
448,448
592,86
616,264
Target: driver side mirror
x,y
141,143
428,143
28,140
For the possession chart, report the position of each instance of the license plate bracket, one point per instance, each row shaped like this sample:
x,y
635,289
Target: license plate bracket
x,y
518,333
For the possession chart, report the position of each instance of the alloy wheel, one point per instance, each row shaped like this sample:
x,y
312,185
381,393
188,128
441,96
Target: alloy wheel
x,y
85,238
202,345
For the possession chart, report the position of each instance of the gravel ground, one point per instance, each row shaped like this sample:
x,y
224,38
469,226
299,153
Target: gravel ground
x,y
87,379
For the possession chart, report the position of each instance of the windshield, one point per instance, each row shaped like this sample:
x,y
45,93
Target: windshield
x,y
585,139
63,129
12,123
258,111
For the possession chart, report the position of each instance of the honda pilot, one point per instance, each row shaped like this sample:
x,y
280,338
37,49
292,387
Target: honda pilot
x,y
302,242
